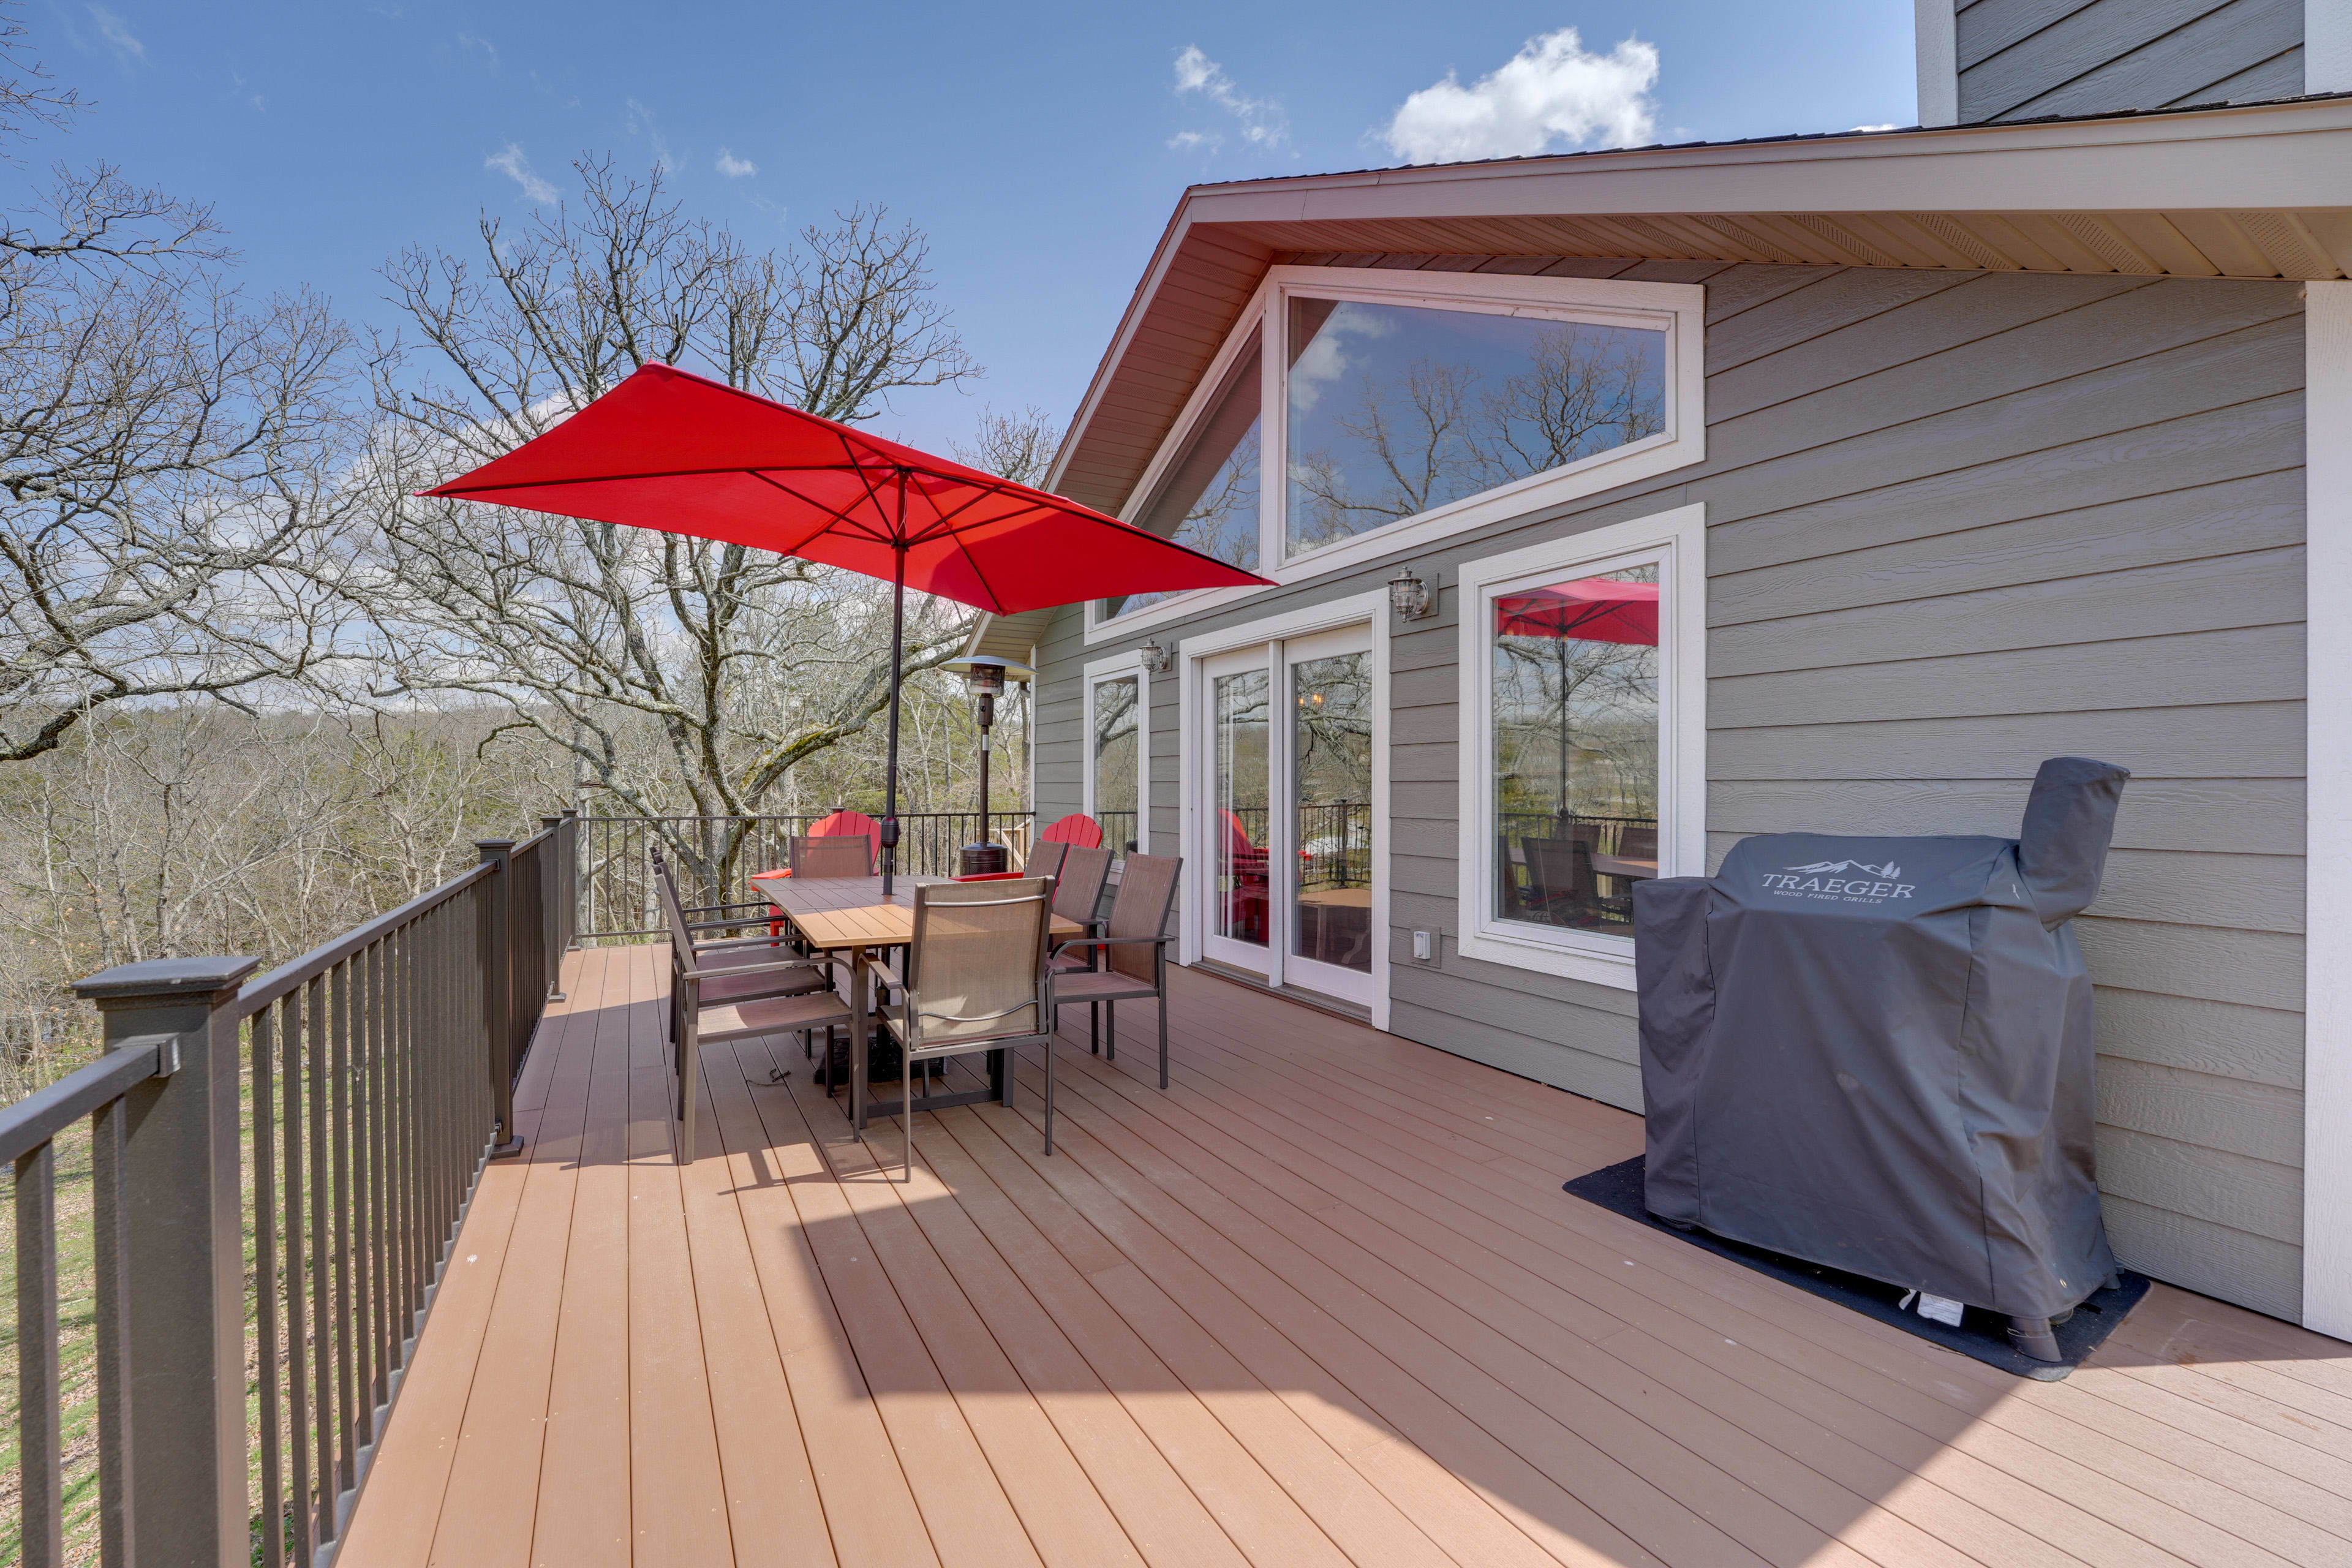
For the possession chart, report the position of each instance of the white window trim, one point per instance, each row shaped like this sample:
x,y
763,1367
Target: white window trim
x,y
2326,45
1112,669
1193,794
1678,539
1677,309
2328,910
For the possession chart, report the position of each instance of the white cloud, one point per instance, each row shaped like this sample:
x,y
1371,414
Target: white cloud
x,y
1261,120
478,46
1549,96
1890,125
509,161
735,168
118,36
641,120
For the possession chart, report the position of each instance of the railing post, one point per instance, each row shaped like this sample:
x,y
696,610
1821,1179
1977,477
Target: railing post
x,y
182,1243
494,944
551,903
575,883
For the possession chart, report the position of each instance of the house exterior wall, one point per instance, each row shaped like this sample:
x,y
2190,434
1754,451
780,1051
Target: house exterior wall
x,y
2018,60
1956,523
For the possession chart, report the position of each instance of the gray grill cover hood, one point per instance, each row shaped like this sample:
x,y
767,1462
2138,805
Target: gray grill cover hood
x,y
1876,1053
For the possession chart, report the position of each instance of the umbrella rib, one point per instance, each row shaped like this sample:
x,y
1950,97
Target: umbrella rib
x,y
457,488
834,516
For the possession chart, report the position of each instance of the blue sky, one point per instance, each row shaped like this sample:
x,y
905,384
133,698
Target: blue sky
x,y
1042,145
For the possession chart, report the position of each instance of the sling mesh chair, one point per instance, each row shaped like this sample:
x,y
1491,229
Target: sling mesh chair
x,y
1134,948
848,855
712,955
1046,860
739,1004
975,980
1077,895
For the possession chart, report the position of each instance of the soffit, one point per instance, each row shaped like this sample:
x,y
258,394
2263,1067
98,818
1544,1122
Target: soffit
x,y
2262,192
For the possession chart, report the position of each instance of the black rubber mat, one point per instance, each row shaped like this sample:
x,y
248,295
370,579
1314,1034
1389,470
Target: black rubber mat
x,y
1981,1334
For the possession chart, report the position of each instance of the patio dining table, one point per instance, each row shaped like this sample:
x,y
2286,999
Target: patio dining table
x,y
850,916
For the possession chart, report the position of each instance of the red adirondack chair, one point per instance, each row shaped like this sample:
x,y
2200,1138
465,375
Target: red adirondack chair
x,y
1078,828
839,823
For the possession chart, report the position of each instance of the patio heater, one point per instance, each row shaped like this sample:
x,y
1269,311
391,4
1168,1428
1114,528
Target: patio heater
x,y
983,678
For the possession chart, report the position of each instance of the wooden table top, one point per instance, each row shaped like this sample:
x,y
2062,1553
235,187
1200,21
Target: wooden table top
x,y
1621,866
835,912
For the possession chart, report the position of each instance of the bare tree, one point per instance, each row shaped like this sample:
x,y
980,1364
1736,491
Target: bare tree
x,y
1017,447
681,675
166,451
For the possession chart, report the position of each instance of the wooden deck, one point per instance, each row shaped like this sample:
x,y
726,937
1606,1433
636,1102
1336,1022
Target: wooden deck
x,y
1322,1303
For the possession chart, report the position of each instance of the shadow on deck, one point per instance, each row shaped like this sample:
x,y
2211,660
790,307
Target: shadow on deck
x,y
1322,1303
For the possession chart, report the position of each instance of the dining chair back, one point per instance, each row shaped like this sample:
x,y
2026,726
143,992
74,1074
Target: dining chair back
x,y
1077,888
846,856
1134,948
975,980
1046,860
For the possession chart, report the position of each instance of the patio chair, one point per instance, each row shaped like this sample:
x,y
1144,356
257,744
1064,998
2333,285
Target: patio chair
x,y
713,954
1046,860
844,856
975,980
1134,950
1077,896
719,1005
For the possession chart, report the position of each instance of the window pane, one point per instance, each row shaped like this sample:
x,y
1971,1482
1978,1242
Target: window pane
x,y
1208,501
1396,409
1331,767
1575,757
1117,755
1242,799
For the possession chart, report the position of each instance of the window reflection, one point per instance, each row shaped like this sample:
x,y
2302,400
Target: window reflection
x,y
1575,738
1331,779
1208,501
1396,409
1116,765
1242,806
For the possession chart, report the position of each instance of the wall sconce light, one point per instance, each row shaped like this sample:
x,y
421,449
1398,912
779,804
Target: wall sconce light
x,y
1157,660
1410,596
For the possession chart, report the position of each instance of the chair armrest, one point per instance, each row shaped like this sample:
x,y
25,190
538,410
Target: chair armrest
x,y
721,908
777,968
1060,948
721,944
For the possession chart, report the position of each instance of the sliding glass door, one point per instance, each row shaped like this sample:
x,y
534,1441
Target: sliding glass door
x,y
1288,758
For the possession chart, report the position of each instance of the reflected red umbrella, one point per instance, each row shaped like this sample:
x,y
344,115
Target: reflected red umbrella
x,y
670,450
1596,609
1590,609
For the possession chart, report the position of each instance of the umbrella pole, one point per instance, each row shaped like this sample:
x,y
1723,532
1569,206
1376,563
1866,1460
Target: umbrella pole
x,y
891,773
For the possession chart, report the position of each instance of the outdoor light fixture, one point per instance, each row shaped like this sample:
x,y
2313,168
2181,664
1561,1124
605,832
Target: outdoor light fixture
x,y
983,678
1410,596
1157,660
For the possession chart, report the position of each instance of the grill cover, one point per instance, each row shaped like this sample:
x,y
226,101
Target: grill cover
x,y
1876,1054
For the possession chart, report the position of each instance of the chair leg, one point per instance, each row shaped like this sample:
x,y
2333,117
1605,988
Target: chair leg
x,y
1163,1035
907,1106
1094,1027
1110,1031
1049,1094
689,1053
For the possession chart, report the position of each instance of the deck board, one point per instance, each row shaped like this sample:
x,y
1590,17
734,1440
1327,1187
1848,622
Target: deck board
x,y
1320,1302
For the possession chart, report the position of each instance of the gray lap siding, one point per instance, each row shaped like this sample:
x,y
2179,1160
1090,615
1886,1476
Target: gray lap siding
x,y
1956,523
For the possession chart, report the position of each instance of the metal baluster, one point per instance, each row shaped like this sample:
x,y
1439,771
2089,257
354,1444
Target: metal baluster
x,y
323,1283
109,1266
40,1452
362,1332
265,1288
339,1141
298,1373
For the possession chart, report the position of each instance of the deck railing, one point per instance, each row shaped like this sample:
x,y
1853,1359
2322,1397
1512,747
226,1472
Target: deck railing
x,y
358,1088
616,892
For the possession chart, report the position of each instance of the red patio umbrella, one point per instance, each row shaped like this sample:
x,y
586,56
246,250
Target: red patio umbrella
x,y
670,450
1591,609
